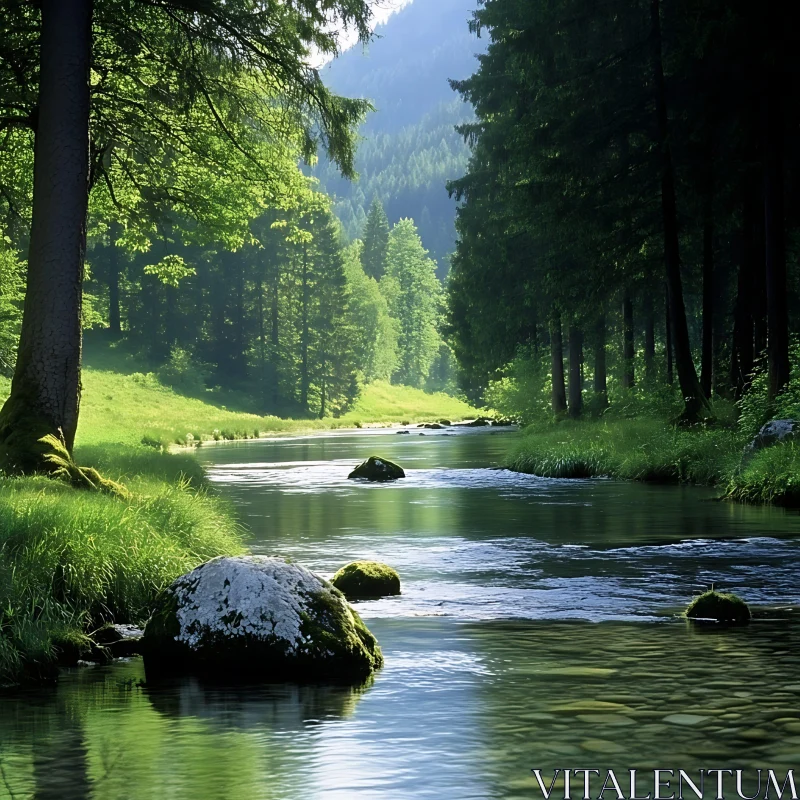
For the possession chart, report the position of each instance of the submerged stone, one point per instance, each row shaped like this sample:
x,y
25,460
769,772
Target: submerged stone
x,y
258,618
719,606
361,580
377,469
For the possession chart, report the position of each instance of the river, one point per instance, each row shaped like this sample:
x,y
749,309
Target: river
x,y
537,628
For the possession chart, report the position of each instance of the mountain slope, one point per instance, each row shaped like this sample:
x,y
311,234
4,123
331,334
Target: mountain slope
x,y
410,148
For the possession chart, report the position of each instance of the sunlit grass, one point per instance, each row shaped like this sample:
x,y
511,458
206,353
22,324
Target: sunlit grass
x,y
71,559
642,450
129,408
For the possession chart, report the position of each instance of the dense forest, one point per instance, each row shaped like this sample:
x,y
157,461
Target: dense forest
x,y
410,147
629,209
208,252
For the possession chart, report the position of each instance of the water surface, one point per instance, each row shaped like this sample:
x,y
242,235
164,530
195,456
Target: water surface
x,y
536,629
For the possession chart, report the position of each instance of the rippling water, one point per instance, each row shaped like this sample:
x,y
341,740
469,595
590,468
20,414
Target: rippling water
x,y
495,661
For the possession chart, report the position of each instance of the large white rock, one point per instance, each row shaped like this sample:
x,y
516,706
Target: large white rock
x,y
258,617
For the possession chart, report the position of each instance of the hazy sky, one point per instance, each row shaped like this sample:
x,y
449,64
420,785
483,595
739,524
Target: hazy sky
x,y
381,11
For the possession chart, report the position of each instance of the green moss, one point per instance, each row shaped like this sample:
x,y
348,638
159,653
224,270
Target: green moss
x,y
337,647
719,606
366,579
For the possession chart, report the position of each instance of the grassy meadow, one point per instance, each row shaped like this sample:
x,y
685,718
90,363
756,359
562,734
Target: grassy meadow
x,y
71,559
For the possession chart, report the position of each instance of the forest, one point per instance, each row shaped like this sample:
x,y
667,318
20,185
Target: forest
x,y
397,397
630,188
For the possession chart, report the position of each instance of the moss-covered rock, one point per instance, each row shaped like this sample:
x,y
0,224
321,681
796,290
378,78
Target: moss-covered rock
x,y
362,580
377,469
719,606
258,618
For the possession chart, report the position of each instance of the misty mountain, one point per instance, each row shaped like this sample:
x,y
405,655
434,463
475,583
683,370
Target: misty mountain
x,y
410,148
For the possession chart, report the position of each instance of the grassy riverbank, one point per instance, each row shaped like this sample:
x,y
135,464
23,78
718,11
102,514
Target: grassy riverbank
x,y
656,451
71,560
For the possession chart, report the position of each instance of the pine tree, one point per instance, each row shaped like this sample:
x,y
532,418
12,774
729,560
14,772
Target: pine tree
x,y
376,241
413,292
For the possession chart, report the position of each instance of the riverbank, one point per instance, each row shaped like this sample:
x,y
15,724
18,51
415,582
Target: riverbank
x,y
652,450
71,560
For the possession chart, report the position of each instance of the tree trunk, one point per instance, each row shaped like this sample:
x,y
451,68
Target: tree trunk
x,y
600,376
668,339
557,367
274,336
775,239
114,316
743,352
304,335
628,375
707,357
695,402
171,318
45,391
575,371
649,341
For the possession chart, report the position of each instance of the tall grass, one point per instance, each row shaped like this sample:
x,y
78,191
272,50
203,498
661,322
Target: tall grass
x,y
71,559
631,449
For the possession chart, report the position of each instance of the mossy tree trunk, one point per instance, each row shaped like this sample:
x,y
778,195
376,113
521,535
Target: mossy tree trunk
x,y
45,391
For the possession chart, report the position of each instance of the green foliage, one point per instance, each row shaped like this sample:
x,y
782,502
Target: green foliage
x,y
11,294
771,475
755,406
70,560
413,293
183,373
375,332
642,450
375,249
523,390
171,270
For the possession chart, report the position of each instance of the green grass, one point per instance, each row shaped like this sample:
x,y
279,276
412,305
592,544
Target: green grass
x,y
653,450
126,409
641,450
72,559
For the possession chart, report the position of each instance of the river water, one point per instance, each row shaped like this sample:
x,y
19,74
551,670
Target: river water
x,y
537,629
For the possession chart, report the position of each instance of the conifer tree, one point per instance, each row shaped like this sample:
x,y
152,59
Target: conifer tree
x,y
376,241
413,292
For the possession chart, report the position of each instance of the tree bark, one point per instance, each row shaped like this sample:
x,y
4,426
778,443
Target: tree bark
x,y
668,338
707,357
775,240
575,371
649,341
600,384
304,335
628,374
559,396
114,316
695,402
45,391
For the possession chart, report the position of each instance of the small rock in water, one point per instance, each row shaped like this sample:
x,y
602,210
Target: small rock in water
x,y
362,580
719,606
378,469
258,618
402,432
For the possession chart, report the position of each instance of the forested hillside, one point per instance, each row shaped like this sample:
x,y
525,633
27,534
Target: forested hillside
x,y
410,148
